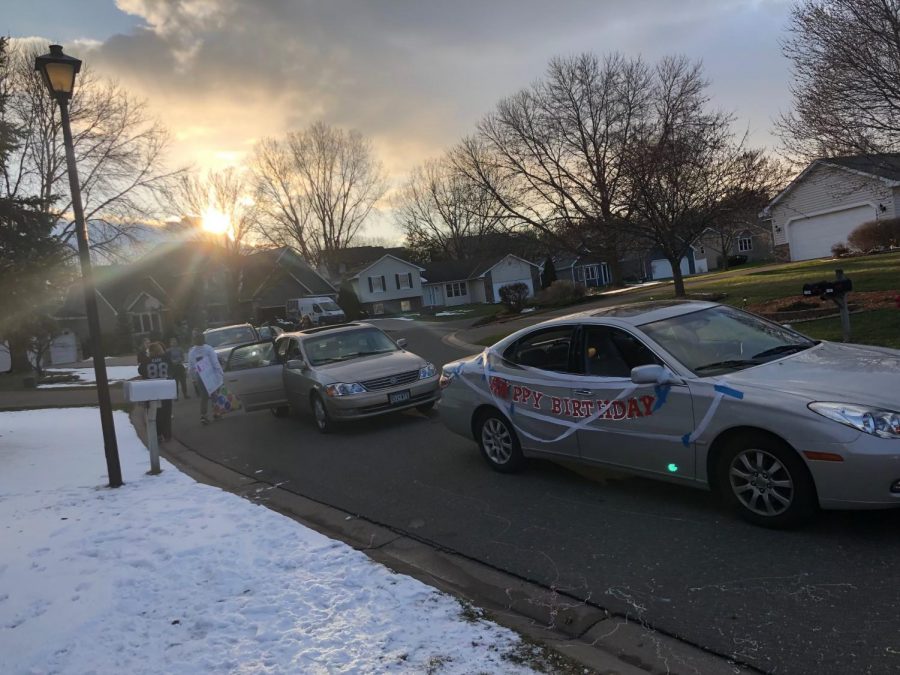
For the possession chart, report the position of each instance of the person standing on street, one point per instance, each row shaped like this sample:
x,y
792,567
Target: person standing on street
x,y
159,367
176,357
202,357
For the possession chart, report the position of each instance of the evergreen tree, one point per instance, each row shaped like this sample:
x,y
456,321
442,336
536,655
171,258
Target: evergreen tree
x,y
549,275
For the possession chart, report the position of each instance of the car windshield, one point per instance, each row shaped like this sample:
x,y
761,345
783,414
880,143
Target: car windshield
x,y
724,339
234,335
346,345
329,306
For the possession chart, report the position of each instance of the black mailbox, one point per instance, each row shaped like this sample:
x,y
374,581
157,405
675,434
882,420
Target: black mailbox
x,y
827,289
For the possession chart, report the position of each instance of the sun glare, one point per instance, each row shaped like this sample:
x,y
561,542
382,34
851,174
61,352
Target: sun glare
x,y
216,222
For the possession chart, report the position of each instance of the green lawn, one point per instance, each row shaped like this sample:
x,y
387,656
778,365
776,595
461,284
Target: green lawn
x,y
879,327
869,273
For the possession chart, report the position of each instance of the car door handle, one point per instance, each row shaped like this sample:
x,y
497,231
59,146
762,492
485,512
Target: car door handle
x,y
583,392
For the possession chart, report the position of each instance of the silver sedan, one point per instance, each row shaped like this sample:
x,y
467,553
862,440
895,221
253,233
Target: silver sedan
x,y
337,373
694,393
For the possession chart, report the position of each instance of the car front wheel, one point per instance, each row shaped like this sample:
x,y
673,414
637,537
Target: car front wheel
x,y
320,415
766,483
499,443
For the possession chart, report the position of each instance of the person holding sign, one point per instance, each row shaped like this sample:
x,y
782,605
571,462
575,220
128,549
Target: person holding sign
x,y
206,372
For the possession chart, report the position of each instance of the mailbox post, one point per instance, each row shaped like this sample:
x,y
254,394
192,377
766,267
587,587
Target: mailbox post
x,y
837,292
151,393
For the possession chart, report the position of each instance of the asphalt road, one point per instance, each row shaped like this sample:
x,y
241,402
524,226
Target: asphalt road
x,y
820,600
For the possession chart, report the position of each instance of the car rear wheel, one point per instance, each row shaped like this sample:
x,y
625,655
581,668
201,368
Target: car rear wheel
x,y
320,415
499,443
766,482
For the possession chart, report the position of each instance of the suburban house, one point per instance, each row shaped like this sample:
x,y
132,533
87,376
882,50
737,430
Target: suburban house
x,y
460,282
753,243
588,270
829,199
183,286
387,285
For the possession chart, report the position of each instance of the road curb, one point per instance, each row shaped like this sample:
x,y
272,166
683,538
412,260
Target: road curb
x,y
453,341
581,633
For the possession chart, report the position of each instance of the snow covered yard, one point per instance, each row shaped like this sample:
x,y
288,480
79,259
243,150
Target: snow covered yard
x,y
166,575
86,376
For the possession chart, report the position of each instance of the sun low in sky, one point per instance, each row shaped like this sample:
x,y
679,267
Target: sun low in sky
x,y
216,222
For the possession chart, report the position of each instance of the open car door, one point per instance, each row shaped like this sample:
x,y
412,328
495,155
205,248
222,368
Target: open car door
x,y
255,373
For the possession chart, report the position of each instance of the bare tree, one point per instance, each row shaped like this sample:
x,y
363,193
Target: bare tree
x,y
119,149
846,90
552,154
687,169
317,187
740,214
444,213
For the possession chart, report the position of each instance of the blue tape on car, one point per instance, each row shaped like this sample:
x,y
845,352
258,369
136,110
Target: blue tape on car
x,y
662,393
728,391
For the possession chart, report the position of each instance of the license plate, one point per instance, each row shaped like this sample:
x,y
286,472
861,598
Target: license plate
x,y
398,397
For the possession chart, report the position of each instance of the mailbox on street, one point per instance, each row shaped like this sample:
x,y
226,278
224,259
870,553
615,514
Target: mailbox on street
x,y
150,393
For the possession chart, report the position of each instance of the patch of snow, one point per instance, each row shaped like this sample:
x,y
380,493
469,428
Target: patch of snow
x,y
86,376
169,575
453,312
527,310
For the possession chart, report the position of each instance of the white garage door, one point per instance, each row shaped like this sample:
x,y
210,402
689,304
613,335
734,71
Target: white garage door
x,y
501,284
662,269
813,237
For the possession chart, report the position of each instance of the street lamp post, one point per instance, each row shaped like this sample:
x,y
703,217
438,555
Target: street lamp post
x,y
58,72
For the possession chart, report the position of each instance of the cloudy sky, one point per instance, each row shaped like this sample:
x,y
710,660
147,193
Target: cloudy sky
x,y
414,75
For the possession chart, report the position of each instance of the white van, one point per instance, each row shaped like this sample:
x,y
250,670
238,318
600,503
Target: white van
x,y
318,311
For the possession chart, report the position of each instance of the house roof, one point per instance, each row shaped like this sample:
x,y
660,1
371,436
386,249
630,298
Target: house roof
x,y
362,269
884,166
261,267
117,285
461,270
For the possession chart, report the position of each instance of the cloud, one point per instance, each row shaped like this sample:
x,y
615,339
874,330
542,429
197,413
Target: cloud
x,y
412,75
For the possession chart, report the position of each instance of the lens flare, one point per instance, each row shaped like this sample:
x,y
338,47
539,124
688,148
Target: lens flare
x,y
216,222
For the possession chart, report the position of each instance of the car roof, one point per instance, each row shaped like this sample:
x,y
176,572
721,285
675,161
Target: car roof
x,y
234,325
336,328
639,313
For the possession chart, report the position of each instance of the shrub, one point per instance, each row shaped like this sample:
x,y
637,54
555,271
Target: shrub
x,y
840,250
738,259
514,295
875,235
559,294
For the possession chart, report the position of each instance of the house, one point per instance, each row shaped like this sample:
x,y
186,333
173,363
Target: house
x,y
269,277
388,285
461,282
588,269
753,243
185,285
829,199
693,263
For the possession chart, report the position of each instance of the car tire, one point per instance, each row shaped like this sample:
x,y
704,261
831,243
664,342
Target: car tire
x,y
281,411
765,482
498,442
321,418
425,408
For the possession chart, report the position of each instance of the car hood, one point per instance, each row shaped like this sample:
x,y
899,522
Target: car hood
x,y
370,367
832,372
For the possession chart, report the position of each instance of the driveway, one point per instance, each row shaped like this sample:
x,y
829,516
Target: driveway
x,y
819,600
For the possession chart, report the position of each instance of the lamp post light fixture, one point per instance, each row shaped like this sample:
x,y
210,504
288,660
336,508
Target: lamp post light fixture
x,y
58,72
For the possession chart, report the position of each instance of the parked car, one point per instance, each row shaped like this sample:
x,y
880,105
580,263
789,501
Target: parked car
x,y
694,393
224,338
338,373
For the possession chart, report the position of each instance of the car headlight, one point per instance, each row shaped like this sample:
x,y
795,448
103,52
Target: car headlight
x,y
344,389
427,371
875,421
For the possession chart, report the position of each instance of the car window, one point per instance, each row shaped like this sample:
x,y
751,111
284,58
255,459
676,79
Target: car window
x,y
293,351
317,309
230,336
612,352
345,345
282,348
547,349
252,356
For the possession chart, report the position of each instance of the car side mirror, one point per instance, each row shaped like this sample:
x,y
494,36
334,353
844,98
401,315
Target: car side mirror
x,y
401,342
296,364
653,374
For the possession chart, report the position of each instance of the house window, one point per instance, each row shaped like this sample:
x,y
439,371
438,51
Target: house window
x,y
745,244
145,322
405,305
579,274
404,281
590,272
457,289
377,284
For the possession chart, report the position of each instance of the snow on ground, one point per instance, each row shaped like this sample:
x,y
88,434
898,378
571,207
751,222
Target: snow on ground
x,y
86,376
453,312
166,575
